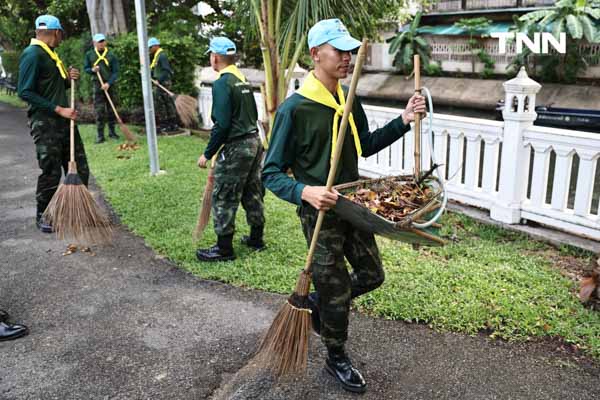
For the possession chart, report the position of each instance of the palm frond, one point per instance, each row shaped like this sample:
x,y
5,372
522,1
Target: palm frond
x,y
589,30
593,12
536,15
574,26
559,26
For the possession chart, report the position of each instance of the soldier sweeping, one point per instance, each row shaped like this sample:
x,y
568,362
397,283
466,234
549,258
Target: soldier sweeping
x,y
101,59
237,172
163,73
303,139
43,83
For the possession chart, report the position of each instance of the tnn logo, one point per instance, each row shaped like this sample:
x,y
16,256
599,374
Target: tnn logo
x,y
537,46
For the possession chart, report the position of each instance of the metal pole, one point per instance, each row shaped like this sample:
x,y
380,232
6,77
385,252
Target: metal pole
x,y
140,18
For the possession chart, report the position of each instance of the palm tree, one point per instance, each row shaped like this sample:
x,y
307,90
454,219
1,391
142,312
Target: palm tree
x,y
473,26
408,43
575,18
571,16
283,27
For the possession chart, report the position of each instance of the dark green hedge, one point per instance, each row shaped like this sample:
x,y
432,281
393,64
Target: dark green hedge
x,y
184,53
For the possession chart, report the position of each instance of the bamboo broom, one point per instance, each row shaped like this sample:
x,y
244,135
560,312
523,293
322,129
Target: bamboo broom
x,y
204,213
128,134
73,212
417,149
284,348
186,106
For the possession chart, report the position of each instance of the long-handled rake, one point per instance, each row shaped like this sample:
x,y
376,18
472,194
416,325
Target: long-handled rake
x,y
204,213
284,348
73,212
128,134
186,106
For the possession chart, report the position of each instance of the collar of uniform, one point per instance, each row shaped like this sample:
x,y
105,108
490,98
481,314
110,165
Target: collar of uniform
x,y
232,69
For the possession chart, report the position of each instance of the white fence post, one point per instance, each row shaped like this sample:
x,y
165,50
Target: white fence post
x,y
519,114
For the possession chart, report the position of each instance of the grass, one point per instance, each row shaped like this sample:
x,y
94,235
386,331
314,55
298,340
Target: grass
x,y
487,280
13,100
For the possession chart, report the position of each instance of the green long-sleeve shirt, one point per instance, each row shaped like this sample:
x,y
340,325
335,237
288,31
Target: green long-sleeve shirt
x,y
301,140
233,112
40,83
108,72
162,71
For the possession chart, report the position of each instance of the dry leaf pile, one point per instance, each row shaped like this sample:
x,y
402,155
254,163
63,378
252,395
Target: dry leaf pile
x,y
128,147
392,199
72,248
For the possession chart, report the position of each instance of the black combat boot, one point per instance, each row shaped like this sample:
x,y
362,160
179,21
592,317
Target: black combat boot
x,y
315,315
100,135
339,365
10,332
42,225
111,132
3,316
255,240
222,251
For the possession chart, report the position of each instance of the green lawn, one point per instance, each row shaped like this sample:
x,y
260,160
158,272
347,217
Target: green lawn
x,y
487,280
12,100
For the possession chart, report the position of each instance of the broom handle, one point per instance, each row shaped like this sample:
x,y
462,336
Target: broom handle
x,y
109,99
163,88
338,148
417,64
72,164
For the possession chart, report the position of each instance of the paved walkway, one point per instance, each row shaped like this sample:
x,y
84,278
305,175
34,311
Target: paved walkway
x,y
125,324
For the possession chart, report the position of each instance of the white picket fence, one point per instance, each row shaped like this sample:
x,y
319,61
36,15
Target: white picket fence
x,y
545,175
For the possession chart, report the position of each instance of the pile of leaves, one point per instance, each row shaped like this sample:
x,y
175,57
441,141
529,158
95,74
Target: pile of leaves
x,y
393,199
128,147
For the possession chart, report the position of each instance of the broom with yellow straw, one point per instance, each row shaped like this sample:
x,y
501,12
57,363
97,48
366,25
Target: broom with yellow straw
x,y
128,134
73,212
186,106
284,348
204,213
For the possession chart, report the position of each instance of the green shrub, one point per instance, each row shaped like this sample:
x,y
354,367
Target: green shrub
x,y
433,68
183,51
71,52
10,61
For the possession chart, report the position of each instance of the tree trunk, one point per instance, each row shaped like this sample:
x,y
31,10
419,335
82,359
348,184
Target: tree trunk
x,y
106,16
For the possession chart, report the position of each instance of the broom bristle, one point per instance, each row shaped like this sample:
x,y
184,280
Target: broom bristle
x,y
187,109
204,214
130,136
74,214
284,348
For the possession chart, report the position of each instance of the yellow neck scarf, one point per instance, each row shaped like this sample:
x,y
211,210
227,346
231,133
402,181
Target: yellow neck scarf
x,y
53,56
101,57
155,59
314,90
232,69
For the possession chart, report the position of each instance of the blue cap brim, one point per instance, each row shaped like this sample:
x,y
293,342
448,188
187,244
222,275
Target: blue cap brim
x,y
345,43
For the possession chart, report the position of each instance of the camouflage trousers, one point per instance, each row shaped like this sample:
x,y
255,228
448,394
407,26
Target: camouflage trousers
x,y
334,284
51,138
164,105
103,110
237,179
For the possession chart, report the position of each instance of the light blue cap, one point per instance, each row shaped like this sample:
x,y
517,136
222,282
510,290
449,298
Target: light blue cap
x,y
334,32
221,45
98,37
47,22
153,42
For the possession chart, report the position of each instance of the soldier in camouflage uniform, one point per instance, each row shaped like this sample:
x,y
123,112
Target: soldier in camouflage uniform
x,y
302,139
162,72
43,83
237,172
101,59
